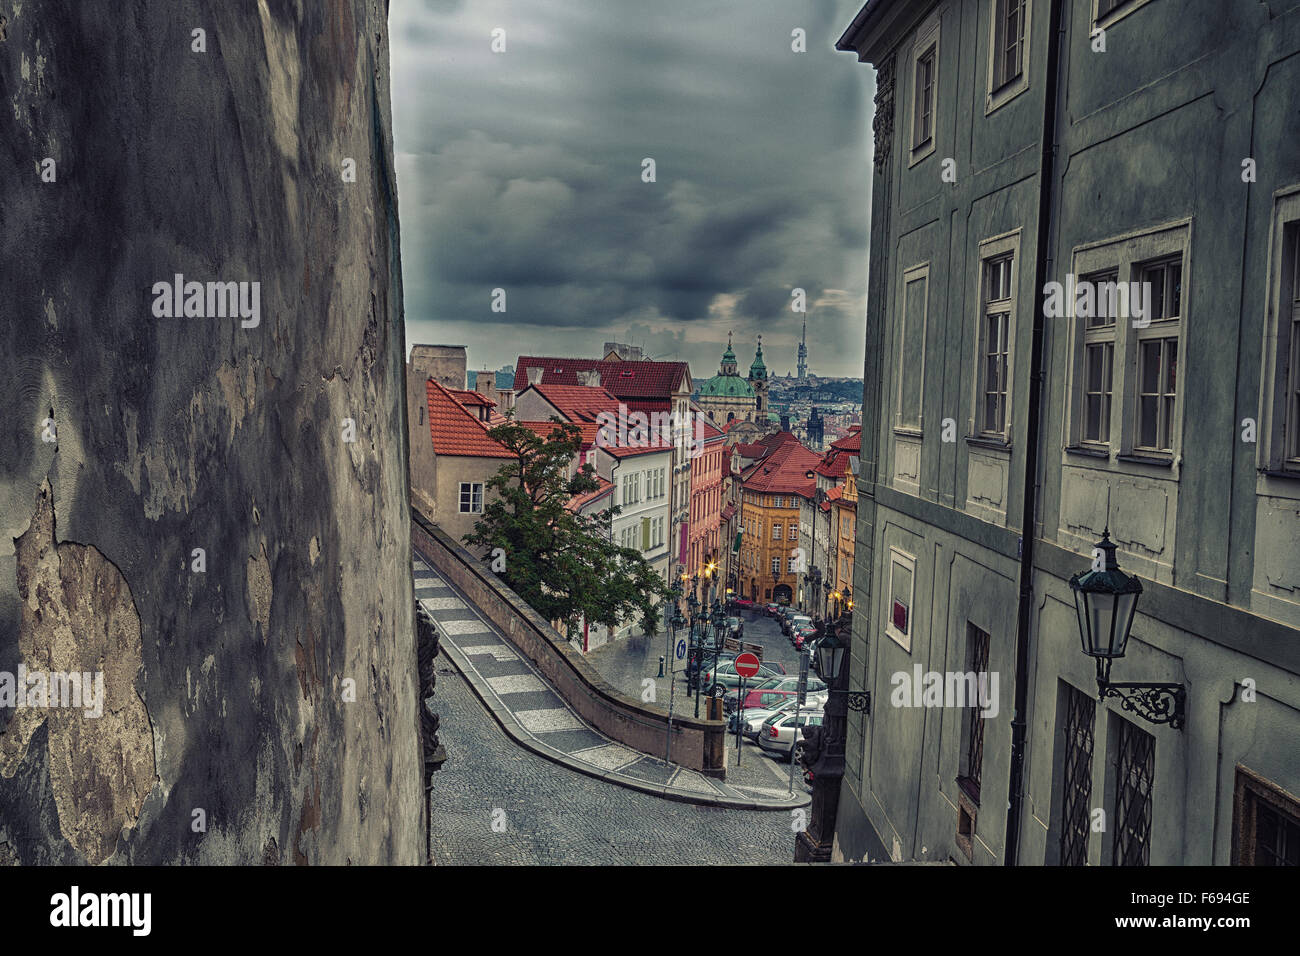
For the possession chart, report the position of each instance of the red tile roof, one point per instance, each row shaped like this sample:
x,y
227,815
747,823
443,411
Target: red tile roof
x,y
850,442
784,471
456,430
641,379
578,402
543,430
728,512
577,502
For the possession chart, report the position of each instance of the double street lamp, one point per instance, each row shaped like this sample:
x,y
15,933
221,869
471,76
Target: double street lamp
x,y
813,845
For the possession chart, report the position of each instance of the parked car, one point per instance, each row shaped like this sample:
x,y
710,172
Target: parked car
x,y
751,719
726,678
771,609
735,628
792,621
801,634
781,685
740,604
778,733
766,698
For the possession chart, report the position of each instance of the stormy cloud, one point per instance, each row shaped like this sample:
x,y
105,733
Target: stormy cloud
x,y
522,170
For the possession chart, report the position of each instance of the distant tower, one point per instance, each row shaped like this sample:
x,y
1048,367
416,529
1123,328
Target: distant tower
x,y
816,429
758,381
803,353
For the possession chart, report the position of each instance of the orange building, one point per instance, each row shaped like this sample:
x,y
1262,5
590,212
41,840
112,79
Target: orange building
x,y
705,516
770,569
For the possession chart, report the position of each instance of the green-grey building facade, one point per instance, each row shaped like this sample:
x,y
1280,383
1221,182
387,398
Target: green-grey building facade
x,y
1084,306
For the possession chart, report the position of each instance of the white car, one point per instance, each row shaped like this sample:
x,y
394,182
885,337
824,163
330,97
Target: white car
x,y
777,735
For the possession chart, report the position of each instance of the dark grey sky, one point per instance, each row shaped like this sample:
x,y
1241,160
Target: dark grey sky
x,y
522,170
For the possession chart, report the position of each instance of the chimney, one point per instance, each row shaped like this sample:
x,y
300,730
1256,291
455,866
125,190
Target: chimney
x,y
589,377
535,376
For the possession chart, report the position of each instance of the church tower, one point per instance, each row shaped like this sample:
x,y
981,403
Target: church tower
x,y
758,381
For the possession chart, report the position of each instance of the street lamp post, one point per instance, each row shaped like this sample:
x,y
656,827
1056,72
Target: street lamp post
x,y
813,845
775,577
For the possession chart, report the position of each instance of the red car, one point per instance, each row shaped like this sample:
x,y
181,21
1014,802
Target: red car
x,y
765,699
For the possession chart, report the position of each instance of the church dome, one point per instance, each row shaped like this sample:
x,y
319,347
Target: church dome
x,y
726,386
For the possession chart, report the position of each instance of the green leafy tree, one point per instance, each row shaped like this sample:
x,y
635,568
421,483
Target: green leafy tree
x,y
563,564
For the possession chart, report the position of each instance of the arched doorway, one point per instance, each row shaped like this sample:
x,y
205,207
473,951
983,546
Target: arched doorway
x,y
782,594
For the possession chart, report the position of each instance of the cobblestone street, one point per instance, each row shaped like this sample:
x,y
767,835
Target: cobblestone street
x,y
547,814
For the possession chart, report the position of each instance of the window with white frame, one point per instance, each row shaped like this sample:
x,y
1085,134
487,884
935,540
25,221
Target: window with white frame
x,y
776,564
911,349
995,348
925,89
1157,355
1279,447
1127,313
898,613
1008,41
923,121
471,497
791,563
1099,360
776,531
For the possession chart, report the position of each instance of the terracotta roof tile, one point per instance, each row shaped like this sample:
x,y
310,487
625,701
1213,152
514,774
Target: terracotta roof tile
x,y
641,379
456,430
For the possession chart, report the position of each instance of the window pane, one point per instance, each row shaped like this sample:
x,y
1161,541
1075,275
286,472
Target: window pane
x,y
1092,418
1175,289
1155,289
1150,366
1147,421
1171,366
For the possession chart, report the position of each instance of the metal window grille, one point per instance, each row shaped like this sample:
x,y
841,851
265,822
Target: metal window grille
x,y
1080,716
1137,760
977,644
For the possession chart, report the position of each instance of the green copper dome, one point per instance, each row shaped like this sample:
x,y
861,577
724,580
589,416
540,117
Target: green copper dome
x,y
726,386
758,369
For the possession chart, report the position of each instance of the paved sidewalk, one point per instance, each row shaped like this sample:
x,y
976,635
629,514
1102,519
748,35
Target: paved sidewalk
x,y
536,717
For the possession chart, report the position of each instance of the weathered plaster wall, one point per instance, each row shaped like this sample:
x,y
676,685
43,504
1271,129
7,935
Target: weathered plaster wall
x,y
226,688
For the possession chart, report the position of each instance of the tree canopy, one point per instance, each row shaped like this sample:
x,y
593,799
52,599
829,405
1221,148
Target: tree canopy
x,y
563,563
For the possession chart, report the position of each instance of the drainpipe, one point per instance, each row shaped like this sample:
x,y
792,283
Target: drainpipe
x,y
1046,177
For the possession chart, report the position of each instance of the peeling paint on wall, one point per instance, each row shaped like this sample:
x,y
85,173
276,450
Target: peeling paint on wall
x,y
78,615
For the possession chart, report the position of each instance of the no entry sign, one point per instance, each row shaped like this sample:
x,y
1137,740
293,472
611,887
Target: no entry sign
x,y
746,665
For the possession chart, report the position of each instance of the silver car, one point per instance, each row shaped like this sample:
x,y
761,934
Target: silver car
x,y
777,735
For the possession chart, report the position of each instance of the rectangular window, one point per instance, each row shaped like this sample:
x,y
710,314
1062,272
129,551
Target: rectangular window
x,y
471,498
1076,796
776,532
776,564
972,759
1157,377
1099,358
793,534
923,122
911,348
1134,777
898,623
790,564
1266,823
996,328
1008,41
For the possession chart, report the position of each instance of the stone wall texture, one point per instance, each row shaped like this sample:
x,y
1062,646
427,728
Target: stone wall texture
x,y
262,709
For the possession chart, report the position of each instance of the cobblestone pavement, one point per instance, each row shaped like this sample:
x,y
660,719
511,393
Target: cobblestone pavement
x,y
627,662
548,814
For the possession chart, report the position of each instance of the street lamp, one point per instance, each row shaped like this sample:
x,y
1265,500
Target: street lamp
x,y
814,844
776,576
1105,600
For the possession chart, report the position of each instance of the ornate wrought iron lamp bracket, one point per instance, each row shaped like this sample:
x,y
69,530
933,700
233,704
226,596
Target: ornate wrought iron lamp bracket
x,y
1156,703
